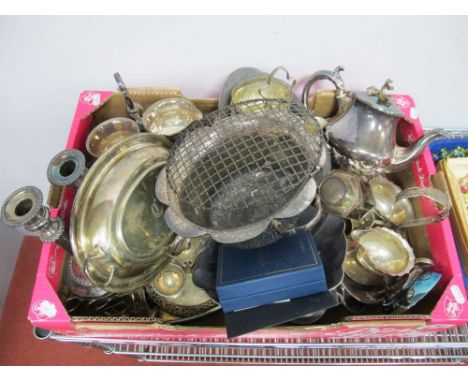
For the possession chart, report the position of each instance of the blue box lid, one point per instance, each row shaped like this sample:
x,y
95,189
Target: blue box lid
x,y
289,262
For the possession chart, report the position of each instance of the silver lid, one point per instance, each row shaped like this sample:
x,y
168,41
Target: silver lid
x,y
380,101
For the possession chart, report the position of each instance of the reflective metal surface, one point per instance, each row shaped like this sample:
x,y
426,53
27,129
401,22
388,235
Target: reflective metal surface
x,y
170,116
419,288
24,208
173,288
78,283
67,168
384,251
263,86
134,109
232,80
333,76
231,173
117,227
341,193
108,133
440,198
358,273
364,131
282,227
384,193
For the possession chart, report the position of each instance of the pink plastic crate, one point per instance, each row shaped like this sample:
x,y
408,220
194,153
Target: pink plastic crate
x,y
47,311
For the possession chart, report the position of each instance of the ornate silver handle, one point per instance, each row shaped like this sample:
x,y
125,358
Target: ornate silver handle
x,y
430,193
333,76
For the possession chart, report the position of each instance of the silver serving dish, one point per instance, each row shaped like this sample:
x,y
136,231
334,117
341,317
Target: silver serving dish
x,y
117,229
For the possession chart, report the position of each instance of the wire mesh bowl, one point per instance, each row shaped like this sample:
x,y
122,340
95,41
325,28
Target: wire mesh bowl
x,y
243,163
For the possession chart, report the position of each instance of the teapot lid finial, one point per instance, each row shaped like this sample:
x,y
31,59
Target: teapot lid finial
x,y
378,100
382,97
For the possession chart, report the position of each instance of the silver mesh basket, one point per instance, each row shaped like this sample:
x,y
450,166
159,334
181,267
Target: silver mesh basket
x,y
242,163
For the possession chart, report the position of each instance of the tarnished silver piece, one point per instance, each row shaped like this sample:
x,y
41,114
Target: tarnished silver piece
x,y
264,86
111,306
233,79
364,130
360,274
108,133
24,208
117,227
173,288
343,194
135,110
378,201
78,282
333,76
67,168
430,193
170,116
280,228
233,172
386,206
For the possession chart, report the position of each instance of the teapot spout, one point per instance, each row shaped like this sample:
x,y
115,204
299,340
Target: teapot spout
x,y
403,156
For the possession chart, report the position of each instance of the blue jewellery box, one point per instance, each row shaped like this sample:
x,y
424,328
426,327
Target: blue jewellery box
x,y
287,269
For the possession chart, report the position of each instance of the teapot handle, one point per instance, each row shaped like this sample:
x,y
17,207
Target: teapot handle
x,y
430,193
333,76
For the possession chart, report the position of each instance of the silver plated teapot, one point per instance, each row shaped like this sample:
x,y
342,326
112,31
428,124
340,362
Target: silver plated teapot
x,y
363,134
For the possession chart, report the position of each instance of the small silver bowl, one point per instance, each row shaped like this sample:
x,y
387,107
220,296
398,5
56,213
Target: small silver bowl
x,y
170,116
108,133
